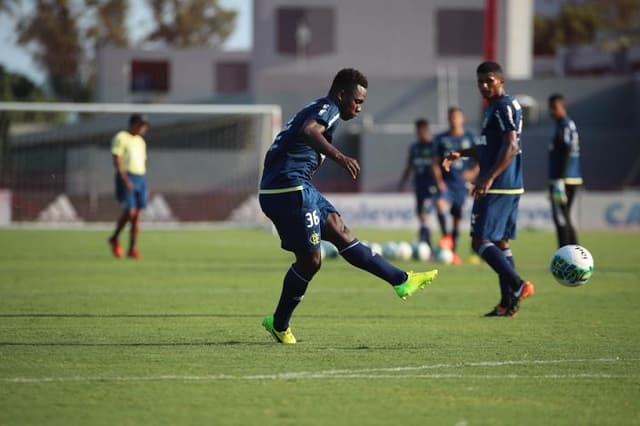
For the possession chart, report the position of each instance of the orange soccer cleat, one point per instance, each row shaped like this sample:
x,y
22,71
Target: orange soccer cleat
x,y
116,248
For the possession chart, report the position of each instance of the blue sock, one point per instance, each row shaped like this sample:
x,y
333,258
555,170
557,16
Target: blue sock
x,y
499,263
362,257
293,289
425,235
442,221
505,294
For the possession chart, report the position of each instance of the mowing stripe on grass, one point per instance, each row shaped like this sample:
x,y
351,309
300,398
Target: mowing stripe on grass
x,y
363,373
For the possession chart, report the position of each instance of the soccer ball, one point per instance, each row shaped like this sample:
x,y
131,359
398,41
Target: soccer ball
x,y
328,250
376,248
389,250
421,251
444,255
404,250
572,265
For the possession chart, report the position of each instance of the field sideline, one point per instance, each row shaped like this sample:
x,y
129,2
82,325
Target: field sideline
x,y
176,337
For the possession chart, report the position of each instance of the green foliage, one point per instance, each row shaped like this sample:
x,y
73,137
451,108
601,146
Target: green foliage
x,y
188,23
579,21
17,87
176,338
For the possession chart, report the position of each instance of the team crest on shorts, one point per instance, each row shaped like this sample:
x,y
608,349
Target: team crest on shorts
x,y
314,238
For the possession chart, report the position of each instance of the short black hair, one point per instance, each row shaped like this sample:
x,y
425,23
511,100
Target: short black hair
x,y
488,66
556,97
348,79
421,122
453,109
137,119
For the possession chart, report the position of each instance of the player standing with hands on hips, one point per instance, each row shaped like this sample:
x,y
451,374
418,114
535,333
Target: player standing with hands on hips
x,y
498,187
564,170
130,161
301,214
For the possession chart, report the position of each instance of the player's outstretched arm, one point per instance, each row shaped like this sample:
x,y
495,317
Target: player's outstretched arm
x,y
312,132
456,155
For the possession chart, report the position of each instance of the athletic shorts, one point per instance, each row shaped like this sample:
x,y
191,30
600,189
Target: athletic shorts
x,y
135,199
455,198
494,217
298,216
425,201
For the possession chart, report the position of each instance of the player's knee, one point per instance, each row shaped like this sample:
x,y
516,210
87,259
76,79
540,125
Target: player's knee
x,y
133,214
309,263
476,243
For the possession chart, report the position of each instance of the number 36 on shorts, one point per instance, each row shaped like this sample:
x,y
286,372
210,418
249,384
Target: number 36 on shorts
x,y
312,219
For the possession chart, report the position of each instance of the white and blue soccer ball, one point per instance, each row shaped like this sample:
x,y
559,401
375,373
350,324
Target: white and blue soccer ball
x,y
328,250
390,250
444,255
404,250
376,248
572,265
421,251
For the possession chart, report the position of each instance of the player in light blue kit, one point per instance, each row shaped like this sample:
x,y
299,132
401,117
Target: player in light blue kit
x,y
301,214
453,193
498,187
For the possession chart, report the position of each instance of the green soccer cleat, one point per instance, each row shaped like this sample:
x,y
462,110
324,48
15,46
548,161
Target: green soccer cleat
x,y
415,281
285,337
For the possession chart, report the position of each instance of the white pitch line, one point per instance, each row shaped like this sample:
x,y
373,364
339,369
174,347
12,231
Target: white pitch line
x,y
345,374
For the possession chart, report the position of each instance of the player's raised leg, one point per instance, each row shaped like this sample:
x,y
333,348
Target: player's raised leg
x,y
404,283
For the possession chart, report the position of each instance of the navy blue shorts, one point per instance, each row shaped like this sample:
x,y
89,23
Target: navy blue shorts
x,y
494,217
136,199
455,197
425,201
299,217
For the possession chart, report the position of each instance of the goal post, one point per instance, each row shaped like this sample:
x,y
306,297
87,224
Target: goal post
x,y
204,161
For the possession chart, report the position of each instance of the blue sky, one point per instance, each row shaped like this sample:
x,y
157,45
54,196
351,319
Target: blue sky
x,y
18,58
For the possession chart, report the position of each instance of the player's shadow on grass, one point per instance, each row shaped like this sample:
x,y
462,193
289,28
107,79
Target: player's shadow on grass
x,y
137,344
212,315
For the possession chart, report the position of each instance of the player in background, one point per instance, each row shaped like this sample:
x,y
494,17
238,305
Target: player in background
x,y
427,178
129,159
453,192
498,187
564,170
301,214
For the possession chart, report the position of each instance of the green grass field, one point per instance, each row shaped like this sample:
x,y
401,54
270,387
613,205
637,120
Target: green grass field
x,y
176,338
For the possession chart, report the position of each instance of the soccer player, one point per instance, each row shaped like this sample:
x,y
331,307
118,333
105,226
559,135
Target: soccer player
x,y
453,192
301,214
564,170
129,158
498,187
427,178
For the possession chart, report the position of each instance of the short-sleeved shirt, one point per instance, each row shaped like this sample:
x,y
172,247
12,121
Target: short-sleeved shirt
x,y
445,144
291,162
133,151
421,158
565,142
502,116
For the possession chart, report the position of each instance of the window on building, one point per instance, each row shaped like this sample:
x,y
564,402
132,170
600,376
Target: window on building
x,y
149,76
232,77
305,31
459,32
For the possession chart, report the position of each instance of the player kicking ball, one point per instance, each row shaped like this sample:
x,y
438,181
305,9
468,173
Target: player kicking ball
x,y
498,187
301,214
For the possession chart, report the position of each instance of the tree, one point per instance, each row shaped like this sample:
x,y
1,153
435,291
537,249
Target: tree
x,y
109,22
190,23
63,36
53,30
